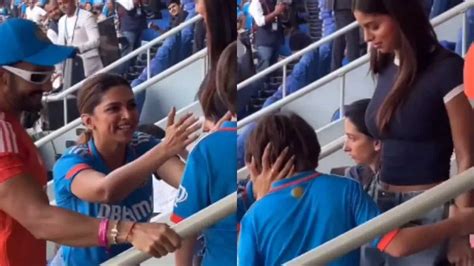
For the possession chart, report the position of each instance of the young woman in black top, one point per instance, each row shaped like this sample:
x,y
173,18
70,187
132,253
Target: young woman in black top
x,y
418,110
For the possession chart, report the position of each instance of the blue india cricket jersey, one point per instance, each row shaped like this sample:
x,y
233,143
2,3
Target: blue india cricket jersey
x,y
299,214
138,206
210,175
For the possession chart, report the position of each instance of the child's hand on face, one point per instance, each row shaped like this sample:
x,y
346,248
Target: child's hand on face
x,y
270,172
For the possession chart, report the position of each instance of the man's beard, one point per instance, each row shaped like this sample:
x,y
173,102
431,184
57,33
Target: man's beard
x,y
29,103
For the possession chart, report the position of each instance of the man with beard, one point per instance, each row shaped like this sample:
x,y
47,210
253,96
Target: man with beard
x,y
54,14
27,60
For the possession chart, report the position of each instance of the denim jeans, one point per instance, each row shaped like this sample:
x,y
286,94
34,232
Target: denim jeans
x,y
267,56
133,42
431,257
348,42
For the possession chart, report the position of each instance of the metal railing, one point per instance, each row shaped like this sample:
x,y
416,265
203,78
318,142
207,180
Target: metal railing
x,y
175,68
59,132
341,72
456,188
283,63
394,218
461,8
204,218
63,94
188,227
227,206
133,257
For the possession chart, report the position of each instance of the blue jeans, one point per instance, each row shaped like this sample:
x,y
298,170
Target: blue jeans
x,y
431,257
133,42
267,56
348,42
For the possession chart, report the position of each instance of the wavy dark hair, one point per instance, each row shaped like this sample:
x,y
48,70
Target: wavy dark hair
x,y
417,40
284,130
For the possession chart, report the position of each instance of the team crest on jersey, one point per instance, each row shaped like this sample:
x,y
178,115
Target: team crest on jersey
x,y
181,196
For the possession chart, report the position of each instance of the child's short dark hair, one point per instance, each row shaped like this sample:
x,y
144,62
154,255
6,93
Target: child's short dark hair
x,y
282,130
169,2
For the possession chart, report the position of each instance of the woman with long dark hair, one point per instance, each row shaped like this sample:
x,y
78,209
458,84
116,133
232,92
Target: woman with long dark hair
x,y
418,110
221,19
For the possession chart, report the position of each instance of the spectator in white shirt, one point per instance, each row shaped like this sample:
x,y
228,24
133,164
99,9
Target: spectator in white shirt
x,y
34,12
79,28
269,34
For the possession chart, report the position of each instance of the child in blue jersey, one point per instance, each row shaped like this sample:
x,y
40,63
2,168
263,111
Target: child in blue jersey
x,y
109,173
307,208
211,170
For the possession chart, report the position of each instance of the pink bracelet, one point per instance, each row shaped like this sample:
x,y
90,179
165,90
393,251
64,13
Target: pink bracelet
x,y
103,226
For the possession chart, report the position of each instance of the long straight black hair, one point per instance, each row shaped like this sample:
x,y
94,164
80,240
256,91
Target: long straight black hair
x,y
221,25
417,40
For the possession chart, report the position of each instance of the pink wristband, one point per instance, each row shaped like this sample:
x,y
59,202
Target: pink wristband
x,y
103,226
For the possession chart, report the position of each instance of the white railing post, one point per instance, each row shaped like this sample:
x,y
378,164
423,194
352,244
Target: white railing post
x,y
283,85
342,95
464,34
65,110
391,219
148,70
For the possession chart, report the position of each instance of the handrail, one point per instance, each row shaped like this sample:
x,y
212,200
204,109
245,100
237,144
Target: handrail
x,y
195,223
127,57
296,55
394,218
175,68
305,90
459,9
202,219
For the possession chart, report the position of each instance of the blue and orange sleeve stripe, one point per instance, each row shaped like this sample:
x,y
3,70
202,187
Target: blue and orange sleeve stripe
x,y
387,239
76,169
176,218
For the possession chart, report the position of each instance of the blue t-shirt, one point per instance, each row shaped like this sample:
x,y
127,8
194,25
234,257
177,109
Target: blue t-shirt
x,y
138,206
210,175
299,214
